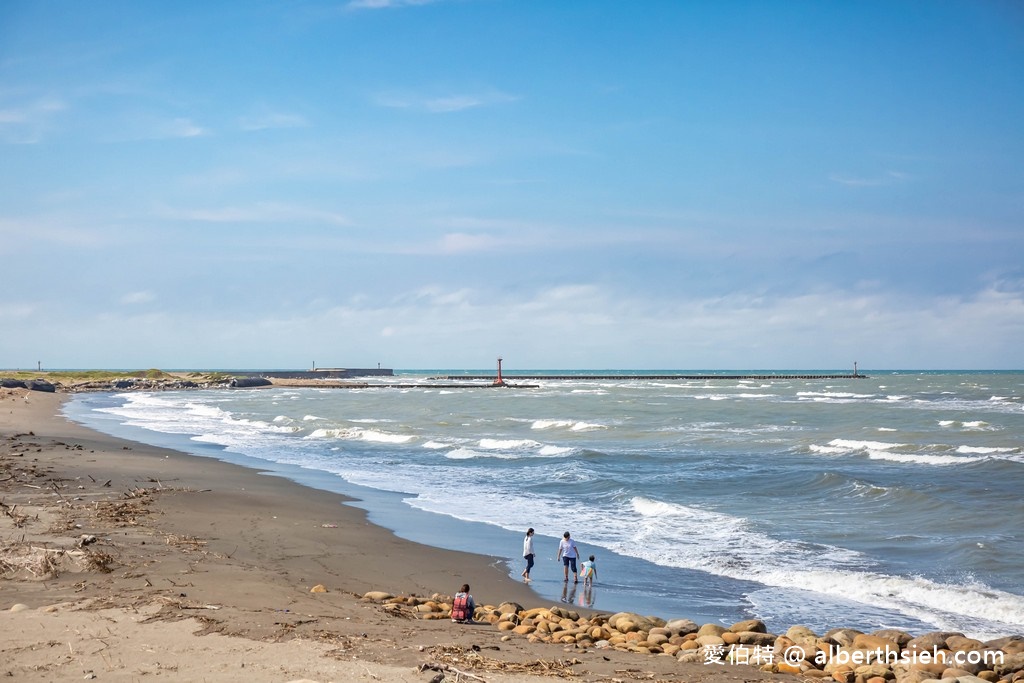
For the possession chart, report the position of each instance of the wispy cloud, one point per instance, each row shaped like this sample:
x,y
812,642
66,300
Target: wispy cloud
x,y
888,178
182,128
26,122
142,297
443,104
273,120
262,212
461,243
385,4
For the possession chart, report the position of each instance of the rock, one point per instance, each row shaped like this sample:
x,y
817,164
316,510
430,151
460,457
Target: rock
x,y
930,642
1011,645
914,676
319,588
870,642
657,639
964,644
250,382
682,627
843,637
711,630
710,640
755,625
760,638
901,638
1010,664
844,676
8,383
19,607
377,596
801,635
40,385
785,667
513,607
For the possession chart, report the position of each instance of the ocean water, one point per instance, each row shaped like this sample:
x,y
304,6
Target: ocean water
x,y
893,500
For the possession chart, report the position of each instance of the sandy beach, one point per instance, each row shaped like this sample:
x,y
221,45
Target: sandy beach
x,y
126,561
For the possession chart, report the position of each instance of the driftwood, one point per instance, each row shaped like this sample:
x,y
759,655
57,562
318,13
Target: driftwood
x,y
447,668
449,655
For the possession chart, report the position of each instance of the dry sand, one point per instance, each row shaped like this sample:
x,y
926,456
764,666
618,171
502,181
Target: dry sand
x,y
203,570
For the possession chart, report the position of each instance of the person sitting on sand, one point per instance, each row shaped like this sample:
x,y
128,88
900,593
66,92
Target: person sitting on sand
x,y
463,606
589,571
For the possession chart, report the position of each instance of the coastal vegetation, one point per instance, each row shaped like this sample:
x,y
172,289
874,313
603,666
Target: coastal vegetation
x,y
93,380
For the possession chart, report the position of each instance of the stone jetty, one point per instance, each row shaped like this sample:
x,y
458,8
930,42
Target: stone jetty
x,y
841,654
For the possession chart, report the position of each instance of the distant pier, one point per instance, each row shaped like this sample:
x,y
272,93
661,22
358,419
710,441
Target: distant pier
x,y
342,378
513,378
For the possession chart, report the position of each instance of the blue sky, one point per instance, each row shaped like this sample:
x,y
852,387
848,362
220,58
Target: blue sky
x,y
580,184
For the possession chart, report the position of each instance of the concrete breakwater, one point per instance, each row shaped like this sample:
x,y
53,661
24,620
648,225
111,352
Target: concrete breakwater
x,y
649,377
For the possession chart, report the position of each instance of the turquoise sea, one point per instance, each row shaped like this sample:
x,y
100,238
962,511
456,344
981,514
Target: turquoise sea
x,y
892,500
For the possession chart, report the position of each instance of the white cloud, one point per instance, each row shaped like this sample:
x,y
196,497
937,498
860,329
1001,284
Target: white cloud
x,y
274,120
11,311
261,212
26,123
443,104
385,4
574,325
181,128
142,297
888,178
460,243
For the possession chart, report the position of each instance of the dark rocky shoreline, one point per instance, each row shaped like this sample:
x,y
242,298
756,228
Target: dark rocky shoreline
x,y
134,384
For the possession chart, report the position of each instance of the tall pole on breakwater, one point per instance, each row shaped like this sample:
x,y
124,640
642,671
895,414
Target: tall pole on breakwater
x,y
499,382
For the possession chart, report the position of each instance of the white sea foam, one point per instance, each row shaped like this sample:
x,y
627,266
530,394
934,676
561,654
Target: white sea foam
x,y
550,424
840,395
851,445
727,545
360,434
572,425
507,444
921,458
828,450
463,454
311,418
985,450
435,445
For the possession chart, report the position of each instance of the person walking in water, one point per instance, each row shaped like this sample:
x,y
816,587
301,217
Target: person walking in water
x,y
567,553
528,553
589,571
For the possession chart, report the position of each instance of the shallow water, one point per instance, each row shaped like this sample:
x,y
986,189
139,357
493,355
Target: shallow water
x,y
887,501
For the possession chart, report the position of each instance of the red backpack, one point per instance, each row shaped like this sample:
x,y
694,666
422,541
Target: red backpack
x,y
460,608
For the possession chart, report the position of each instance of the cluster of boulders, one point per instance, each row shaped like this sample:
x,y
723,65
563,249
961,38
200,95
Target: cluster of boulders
x,y
139,384
842,655
136,384
30,384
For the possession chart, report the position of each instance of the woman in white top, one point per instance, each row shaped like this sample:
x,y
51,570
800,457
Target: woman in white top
x,y
528,553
